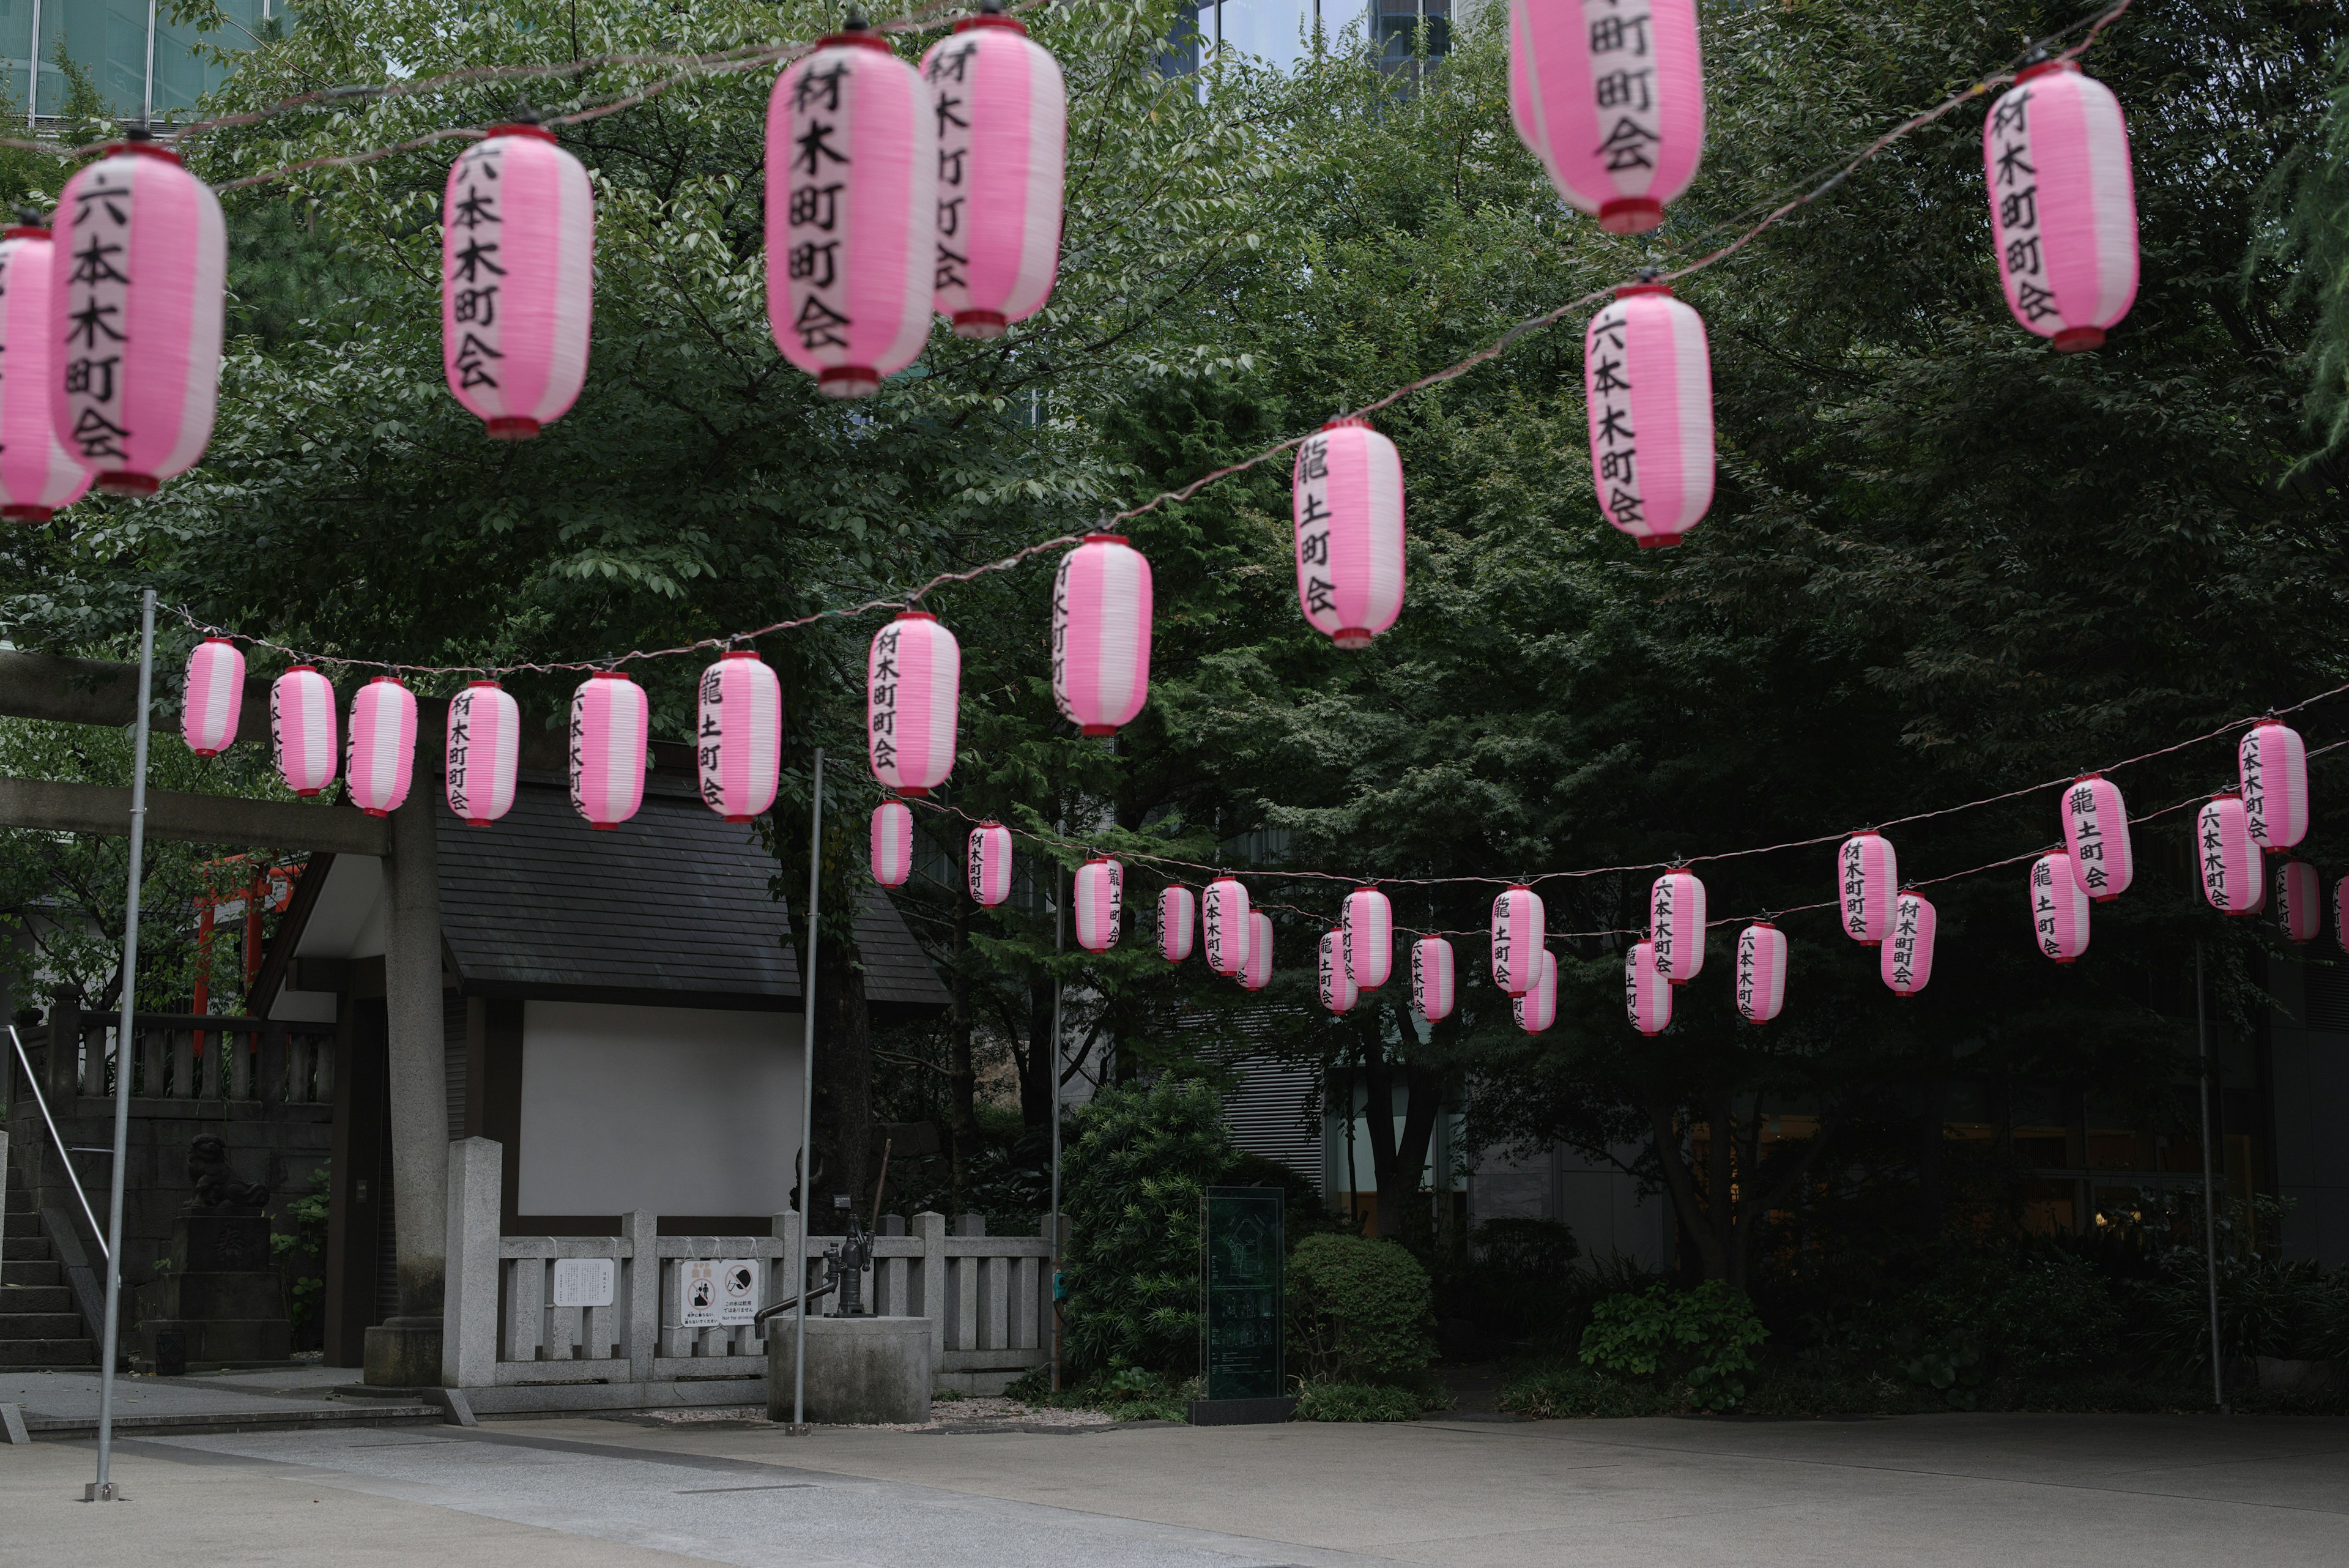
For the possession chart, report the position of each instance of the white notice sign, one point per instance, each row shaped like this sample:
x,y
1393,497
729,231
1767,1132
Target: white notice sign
x,y
697,1293
738,1291
584,1281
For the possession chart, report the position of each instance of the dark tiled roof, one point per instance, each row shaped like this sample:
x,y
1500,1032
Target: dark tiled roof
x,y
671,907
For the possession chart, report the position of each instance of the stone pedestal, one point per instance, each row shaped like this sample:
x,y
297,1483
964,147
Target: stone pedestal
x,y
404,1352
860,1369
221,1297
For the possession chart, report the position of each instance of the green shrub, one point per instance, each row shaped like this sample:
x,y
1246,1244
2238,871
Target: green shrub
x,y
1706,1337
2266,1307
1554,1389
1359,1311
2031,1312
1357,1402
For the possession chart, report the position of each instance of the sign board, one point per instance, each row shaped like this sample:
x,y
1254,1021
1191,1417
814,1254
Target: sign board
x,y
697,1293
584,1281
738,1291
1241,1320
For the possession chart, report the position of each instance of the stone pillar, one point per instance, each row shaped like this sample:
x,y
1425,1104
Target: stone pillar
x,y
640,1228
468,1343
63,1067
404,1351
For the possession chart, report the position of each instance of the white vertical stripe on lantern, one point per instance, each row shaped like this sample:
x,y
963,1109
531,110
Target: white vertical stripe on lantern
x,y
2097,832
893,843
215,697
913,696
1676,925
484,750
1761,971
1517,935
2274,763
1369,946
991,862
1647,995
1869,877
1536,1010
1223,924
1432,978
301,729
1178,918
1256,973
611,724
1100,904
2059,909
1338,992
2229,858
739,736
1906,959
1100,634
2299,901
382,745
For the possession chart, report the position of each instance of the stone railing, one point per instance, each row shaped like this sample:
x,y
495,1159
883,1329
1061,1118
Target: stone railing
x,y
185,1056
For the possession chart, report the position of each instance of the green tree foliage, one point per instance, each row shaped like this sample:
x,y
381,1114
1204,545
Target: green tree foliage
x,y
1705,1337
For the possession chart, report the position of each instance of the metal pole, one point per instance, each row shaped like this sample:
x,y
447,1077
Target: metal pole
x,y
103,1490
2210,1191
33,72
807,1098
1054,1270
148,116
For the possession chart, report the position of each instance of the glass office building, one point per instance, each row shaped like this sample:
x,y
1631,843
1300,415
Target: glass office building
x,y
1281,32
140,61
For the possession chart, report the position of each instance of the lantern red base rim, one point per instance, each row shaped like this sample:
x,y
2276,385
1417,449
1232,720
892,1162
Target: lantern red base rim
x,y
848,381
2063,961
513,427
1871,942
308,794
477,822
2078,339
1655,541
741,819
27,514
373,812
2104,898
603,826
913,792
979,324
1352,637
1630,214
201,752
1650,1034
125,483
1097,729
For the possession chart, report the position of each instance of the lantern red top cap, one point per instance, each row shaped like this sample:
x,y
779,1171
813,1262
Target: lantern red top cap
x,y
34,231
291,667
916,615
1098,860
864,37
991,19
2044,68
613,675
1105,538
146,149
380,680
740,653
470,685
2226,794
1766,925
1347,421
518,129
1625,290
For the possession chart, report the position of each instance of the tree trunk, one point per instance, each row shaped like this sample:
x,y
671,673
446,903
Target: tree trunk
x,y
1398,1163
1038,1064
1724,1219
962,1074
844,1083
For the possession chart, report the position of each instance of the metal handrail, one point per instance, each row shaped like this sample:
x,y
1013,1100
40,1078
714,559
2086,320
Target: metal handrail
x,y
32,1082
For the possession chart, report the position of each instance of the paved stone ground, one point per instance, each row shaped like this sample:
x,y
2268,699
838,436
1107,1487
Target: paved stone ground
x,y
2079,1491
73,1392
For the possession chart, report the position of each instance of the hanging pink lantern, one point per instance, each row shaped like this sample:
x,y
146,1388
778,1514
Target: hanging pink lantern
x,y
37,473
1100,634
517,280
1432,979
2298,900
215,697
1178,921
991,862
484,750
893,843
1002,125
2059,907
382,745
1761,971
852,213
1870,876
1611,99
1536,1010
2229,855
1517,936
1347,497
1256,973
1905,960
302,730
1223,921
1647,378
1368,925
2063,211
913,697
136,321
1647,994
2095,831
1100,904
1676,925
739,736
610,727
2275,761
1338,992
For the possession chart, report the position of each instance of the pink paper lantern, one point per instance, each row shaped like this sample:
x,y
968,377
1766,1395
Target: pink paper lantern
x,y
1178,922
2229,856
991,862
1870,876
1432,978
382,745
852,213
1338,991
1536,1010
2299,901
136,321
1002,119
739,736
1905,960
1647,994
1610,98
215,697
1100,634
610,727
1347,498
1676,925
2095,832
913,697
893,843
1224,922
2059,909
1761,971
1517,937
1100,902
2274,763
1368,925
2063,211
517,280
37,473
302,730
484,750
1647,378
1256,973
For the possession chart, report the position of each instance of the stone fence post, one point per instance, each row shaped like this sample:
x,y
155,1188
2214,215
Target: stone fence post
x,y
468,1343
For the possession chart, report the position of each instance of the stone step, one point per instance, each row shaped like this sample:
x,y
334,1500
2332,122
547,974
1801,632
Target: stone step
x,y
19,1353
48,1273
20,1201
40,1325
28,1245
34,1298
